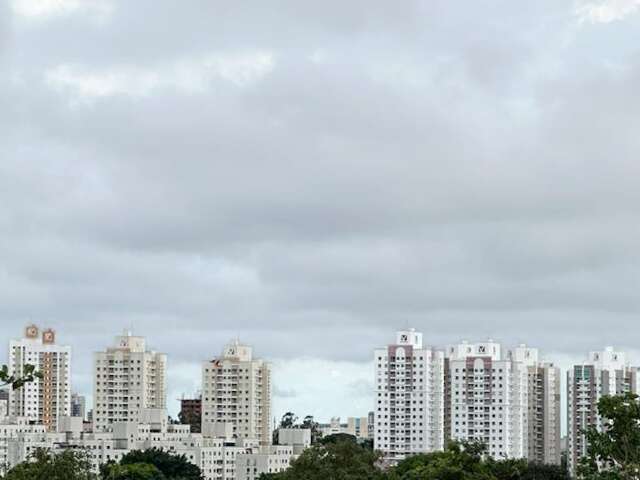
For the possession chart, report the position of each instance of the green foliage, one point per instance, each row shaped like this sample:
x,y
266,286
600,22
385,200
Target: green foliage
x,y
459,461
42,465
614,452
134,471
334,461
337,438
467,461
173,467
29,374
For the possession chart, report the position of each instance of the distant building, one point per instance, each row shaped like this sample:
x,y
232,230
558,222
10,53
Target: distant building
x,y
46,399
371,419
356,426
236,389
604,373
128,379
191,413
4,402
78,406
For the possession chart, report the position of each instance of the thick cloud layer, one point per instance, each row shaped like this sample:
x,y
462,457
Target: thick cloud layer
x,y
310,176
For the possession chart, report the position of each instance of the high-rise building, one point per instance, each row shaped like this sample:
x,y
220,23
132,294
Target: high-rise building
x,y
191,413
128,379
78,406
426,397
48,398
409,409
543,406
510,401
236,389
487,394
604,373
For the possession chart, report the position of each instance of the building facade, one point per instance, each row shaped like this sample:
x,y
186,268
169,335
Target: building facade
x,y
48,398
191,413
543,406
487,398
409,396
603,373
128,379
236,389
78,406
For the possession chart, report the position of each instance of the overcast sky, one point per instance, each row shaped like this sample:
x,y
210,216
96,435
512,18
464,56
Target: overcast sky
x,y
311,176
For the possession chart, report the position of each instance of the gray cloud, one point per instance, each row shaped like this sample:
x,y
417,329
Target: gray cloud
x,y
311,177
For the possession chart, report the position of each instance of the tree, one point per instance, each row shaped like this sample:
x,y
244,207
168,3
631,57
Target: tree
x,y
521,469
459,461
288,420
310,423
133,471
614,451
29,374
337,438
173,467
42,465
334,461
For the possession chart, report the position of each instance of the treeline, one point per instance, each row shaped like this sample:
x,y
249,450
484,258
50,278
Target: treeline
x,y
152,464
344,459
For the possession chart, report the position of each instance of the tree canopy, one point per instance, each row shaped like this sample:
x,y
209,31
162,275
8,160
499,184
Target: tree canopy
x,y
172,467
613,451
43,465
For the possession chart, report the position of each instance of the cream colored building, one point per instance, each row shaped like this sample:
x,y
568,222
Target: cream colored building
x,y
217,453
236,389
48,398
409,398
543,406
128,379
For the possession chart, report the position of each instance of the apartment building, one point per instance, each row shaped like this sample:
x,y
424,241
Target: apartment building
x,y
46,399
128,379
425,397
409,397
604,372
236,389
543,406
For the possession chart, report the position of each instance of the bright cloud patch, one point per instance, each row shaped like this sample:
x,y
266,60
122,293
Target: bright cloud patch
x,y
606,11
50,8
188,75
346,388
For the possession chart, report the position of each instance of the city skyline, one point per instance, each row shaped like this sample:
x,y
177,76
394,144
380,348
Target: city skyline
x,y
368,398
312,177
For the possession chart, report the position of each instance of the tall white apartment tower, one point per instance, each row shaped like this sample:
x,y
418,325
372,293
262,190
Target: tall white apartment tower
x,y
236,389
487,398
128,379
543,406
409,408
48,398
603,373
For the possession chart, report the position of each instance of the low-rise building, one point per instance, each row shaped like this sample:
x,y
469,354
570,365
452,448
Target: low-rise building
x,y
215,451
